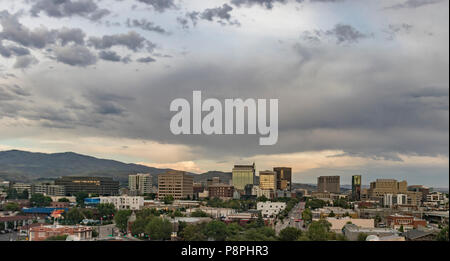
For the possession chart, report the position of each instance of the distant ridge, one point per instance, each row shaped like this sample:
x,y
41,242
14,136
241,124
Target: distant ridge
x,y
24,166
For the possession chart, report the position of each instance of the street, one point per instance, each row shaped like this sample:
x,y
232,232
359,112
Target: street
x,y
13,236
106,230
294,214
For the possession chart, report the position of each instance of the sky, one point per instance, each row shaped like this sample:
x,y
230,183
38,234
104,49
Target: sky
x,y
363,85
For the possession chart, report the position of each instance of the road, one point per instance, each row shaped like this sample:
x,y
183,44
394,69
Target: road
x,y
294,214
106,230
13,236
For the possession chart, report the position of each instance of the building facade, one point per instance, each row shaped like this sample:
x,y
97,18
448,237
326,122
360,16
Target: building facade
x,y
177,184
49,190
284,178
386,186
329,184
356,187
270,209
222,191
140,184
79,233
103,186
243,175
268,180
124,202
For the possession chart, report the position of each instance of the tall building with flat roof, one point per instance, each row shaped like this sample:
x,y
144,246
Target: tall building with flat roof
x,y
268,180
177,184
243,175
356,187
381,187
329,184
103,186
284,178
140,184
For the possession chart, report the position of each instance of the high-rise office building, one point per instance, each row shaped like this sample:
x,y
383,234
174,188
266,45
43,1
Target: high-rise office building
x,y
268,180
177,184
140,184
330,184
284,178
243,175
103,186
356,187
381,187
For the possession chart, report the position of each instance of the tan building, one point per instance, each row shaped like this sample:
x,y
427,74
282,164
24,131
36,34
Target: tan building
x,y
381,187
284,178
329,184
175,183
268,180
222,191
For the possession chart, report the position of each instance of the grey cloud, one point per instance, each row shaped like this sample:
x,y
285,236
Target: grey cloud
x,y
8,51
23,62
146,60
74,35
342,33
75,55
131,40
68,8
159,5
221,14
266,3
109,56
146,26
413,4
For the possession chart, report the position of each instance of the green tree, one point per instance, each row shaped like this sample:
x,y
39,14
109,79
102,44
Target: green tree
x,y
39,200
87,213
121,219
12,206
106,210
362,237
318,230
443,234
168,199
262,199
57,238
199,213
158,228
74,216
80,196
401,229
193,233
260,221
12,194
25,194
216,230
63,200
289,234
331,214
307,215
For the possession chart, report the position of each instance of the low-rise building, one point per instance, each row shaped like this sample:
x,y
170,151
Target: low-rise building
x,y
352,232
333,212
43,232
124,202
407,222
270,209
222,191
337,224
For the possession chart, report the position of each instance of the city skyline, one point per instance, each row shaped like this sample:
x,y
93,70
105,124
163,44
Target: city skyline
x,y
362,85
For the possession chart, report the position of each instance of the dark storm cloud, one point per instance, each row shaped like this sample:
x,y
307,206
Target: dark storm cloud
x,y
146,26
159,5
131,40
10,50
266,3
68,8
75,55
414,4
10,92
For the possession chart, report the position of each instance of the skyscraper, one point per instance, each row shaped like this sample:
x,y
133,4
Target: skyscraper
x,y
356,187
284,178
268,180
177,184
329,184
243,175
140,184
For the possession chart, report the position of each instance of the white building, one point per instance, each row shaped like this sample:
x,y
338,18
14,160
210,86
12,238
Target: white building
x,y
395,199
140,184
437,197
270,209
124,202
258,192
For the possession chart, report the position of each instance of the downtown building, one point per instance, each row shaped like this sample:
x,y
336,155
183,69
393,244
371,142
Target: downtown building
x,y
268,182
103,186
284,178
243,175
330,184
140,184
356,187
177,184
